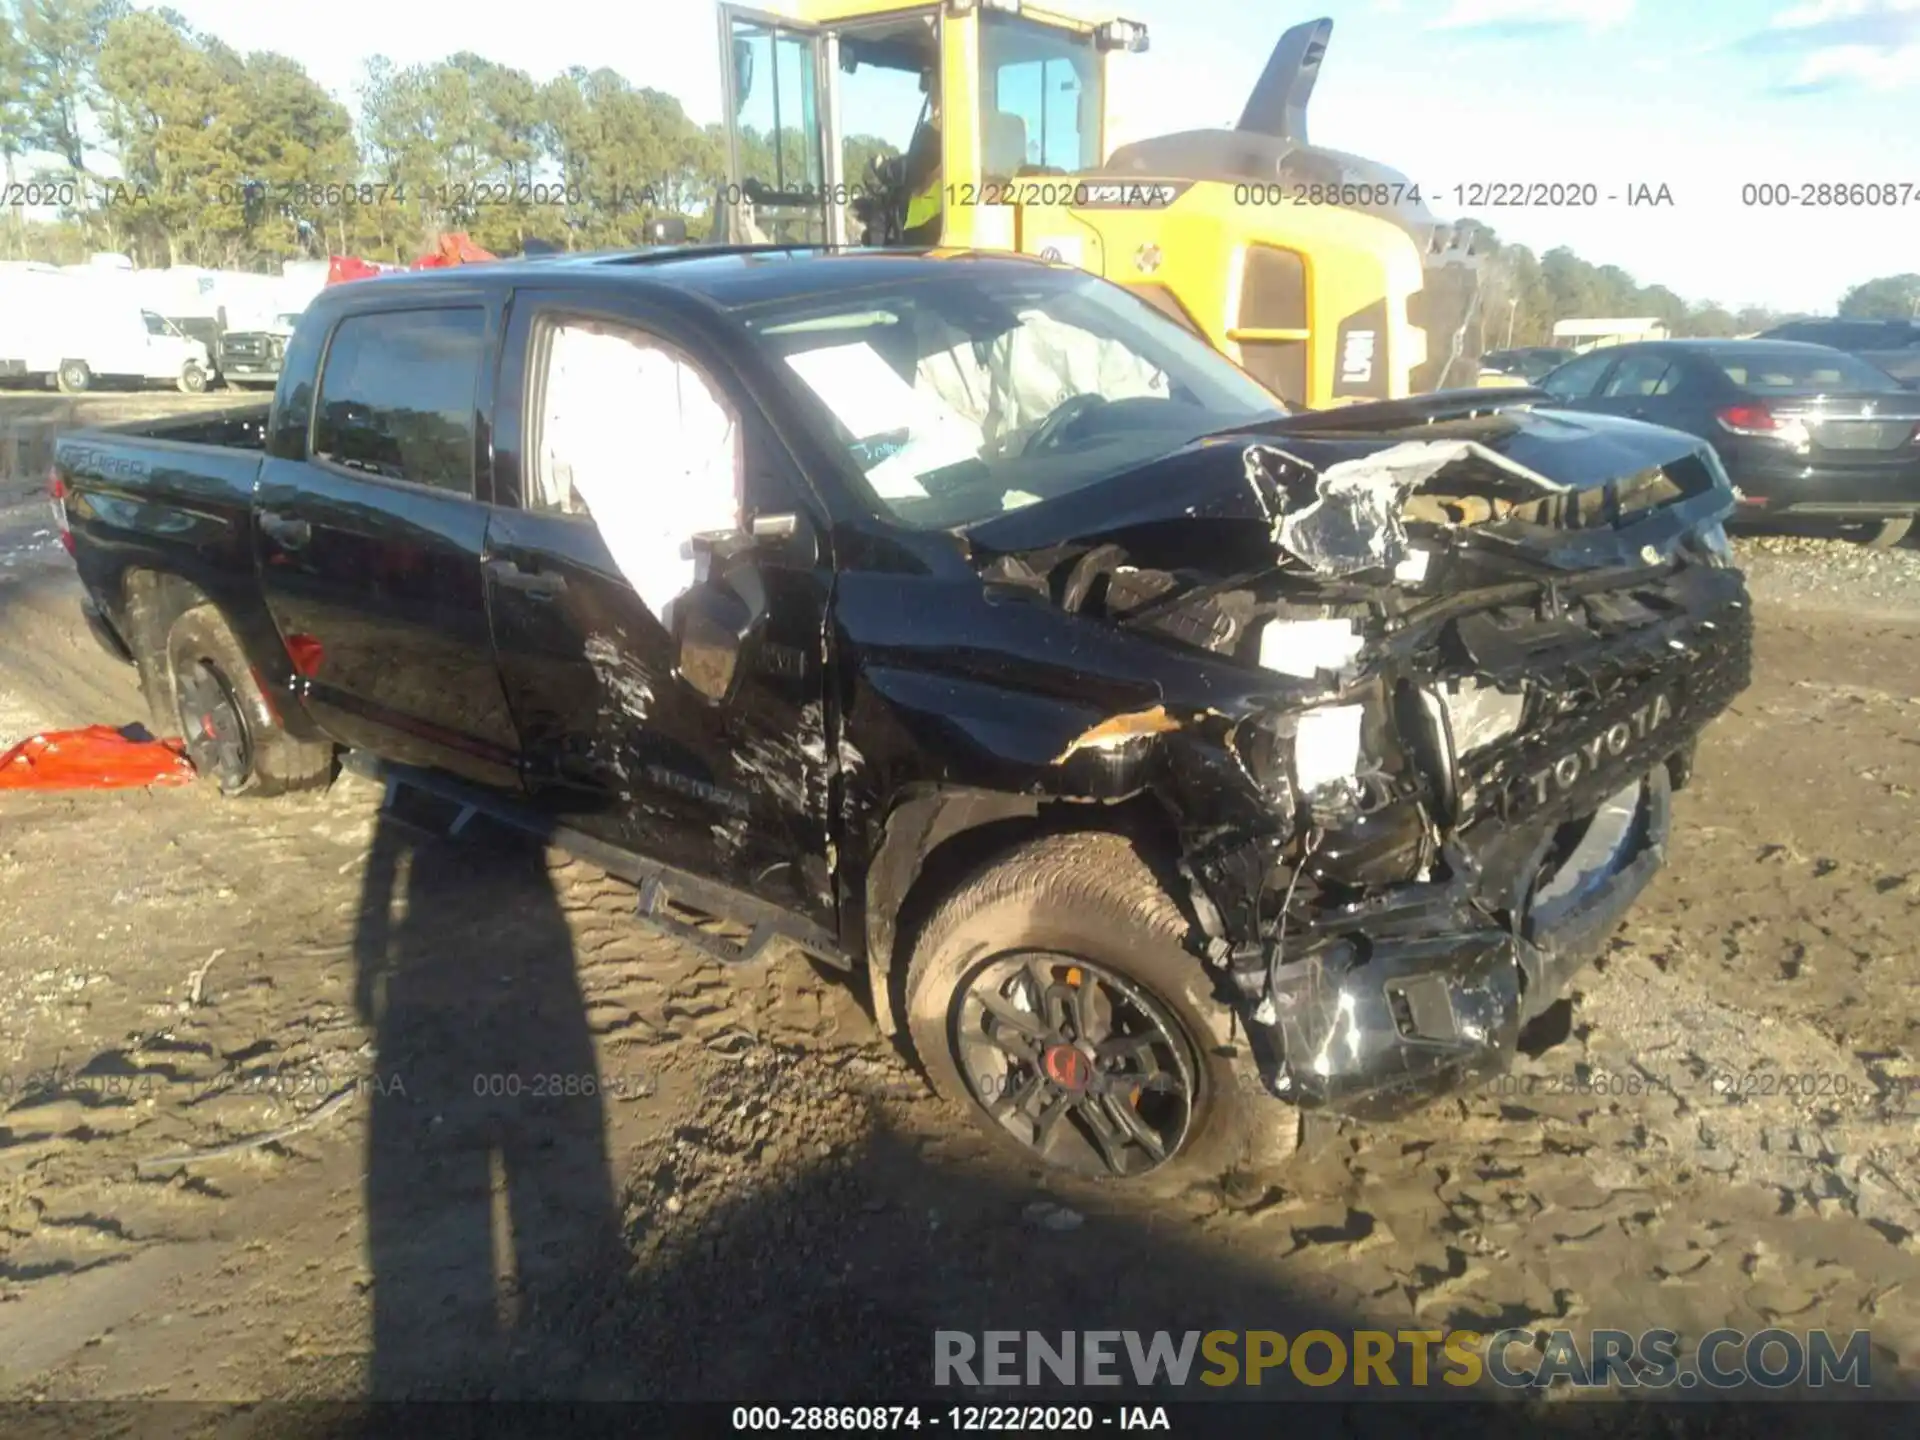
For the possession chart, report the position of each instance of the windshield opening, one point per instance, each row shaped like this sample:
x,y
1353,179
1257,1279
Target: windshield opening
x,y
959,396
1766,372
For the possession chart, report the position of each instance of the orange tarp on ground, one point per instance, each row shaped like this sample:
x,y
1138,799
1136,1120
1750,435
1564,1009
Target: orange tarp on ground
x,y
96,758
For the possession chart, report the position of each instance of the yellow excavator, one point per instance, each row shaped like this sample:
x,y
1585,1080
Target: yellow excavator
x,y
985,124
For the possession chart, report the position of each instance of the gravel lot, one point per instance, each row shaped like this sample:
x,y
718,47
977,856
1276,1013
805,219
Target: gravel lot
x,y
762,1201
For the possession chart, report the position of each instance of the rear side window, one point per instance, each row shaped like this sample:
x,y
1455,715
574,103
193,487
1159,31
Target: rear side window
x,y
397,396
1575,380
1643,376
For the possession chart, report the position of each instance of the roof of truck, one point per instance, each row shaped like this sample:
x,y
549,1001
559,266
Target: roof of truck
x,y
727,275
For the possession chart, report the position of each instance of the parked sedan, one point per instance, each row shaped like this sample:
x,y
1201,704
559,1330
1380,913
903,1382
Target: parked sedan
x,y
1892,345
1805,431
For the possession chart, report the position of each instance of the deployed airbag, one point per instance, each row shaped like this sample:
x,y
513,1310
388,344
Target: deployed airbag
x,y
637,437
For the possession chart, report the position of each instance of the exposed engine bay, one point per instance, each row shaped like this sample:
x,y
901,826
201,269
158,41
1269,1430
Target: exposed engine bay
x,y
1462,778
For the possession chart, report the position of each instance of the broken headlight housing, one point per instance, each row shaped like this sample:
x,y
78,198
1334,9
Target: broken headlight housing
x,y
1264,745
1473,715
1326,748
1304,753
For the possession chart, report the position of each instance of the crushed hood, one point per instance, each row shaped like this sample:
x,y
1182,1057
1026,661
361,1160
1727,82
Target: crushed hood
x,y
1333,493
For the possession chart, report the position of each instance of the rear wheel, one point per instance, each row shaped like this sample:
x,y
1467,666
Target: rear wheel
x,y
232,734
1053,995
73,377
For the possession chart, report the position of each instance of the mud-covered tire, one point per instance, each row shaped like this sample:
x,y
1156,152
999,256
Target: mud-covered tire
x,y
206,667
1093,898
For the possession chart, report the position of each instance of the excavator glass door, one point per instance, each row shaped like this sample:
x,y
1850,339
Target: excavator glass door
x,y
779,131
887,97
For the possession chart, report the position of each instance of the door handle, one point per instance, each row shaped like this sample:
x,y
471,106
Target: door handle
x,y
285,530
535,584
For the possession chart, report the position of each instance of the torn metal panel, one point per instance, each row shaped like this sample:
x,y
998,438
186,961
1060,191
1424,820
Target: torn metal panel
x,y
1120,731
1358,521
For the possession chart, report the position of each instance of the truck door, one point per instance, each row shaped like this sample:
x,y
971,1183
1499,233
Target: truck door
x,y
631,438
783,152
368,531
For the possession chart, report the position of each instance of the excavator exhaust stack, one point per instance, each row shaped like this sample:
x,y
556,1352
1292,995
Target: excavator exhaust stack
x,y
1278,104
1269,145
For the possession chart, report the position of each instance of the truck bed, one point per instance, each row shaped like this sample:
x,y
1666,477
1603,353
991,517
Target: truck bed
x,y
238,427
172,497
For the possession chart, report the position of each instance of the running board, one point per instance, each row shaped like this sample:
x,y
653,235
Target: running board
x,y
661,885
655,912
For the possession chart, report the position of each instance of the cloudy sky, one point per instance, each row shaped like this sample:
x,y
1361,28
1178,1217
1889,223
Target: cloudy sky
x,y
1703,96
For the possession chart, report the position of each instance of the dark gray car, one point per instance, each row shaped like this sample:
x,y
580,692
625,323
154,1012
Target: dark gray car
x,y
1893,345
1805,432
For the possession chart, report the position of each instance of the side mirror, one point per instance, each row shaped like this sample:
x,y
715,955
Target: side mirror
x,y
713,621
711,627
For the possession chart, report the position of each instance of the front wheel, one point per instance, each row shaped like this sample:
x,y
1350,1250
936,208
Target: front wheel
x,y
233,737
193,380
1054,996
74,377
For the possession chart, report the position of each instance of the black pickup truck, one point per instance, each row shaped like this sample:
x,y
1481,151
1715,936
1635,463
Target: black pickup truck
x,y
1169,764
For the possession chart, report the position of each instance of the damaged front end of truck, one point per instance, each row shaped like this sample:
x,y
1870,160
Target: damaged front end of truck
x,y
1475,644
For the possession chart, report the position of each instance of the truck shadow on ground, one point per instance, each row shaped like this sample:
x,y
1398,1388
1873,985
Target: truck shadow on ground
x,y
823,1281
482,1063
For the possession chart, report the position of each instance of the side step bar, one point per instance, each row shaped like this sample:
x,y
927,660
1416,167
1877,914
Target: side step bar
x,y
661,885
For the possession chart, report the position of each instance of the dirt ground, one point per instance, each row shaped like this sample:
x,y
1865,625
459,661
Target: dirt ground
x,y
760,1201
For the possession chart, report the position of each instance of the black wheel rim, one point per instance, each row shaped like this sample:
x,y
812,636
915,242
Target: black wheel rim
x,y
214,727
1082,1066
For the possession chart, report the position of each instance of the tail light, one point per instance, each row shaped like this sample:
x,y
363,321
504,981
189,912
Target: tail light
x,y
57,494
1749,420
1759,421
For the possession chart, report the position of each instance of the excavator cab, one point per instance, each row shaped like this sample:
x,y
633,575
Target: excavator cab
x,y
985,124
863,121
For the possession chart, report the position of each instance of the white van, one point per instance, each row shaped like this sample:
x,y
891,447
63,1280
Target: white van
x,y
74,332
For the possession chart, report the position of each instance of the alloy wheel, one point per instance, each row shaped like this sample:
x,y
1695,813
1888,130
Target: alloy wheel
x,y
1079,1064
215,729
